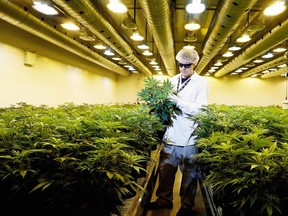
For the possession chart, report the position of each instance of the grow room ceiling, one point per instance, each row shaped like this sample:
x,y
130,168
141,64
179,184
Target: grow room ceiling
x,y
161,24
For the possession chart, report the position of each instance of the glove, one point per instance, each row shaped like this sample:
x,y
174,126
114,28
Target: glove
x,y
173,98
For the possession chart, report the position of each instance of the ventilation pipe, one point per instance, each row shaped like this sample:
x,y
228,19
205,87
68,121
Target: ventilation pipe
x,y
17,16
275,73
276,36
158,15
90,17
227,18
275,62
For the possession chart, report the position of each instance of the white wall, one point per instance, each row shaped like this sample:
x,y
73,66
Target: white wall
x,y
247,91
50,82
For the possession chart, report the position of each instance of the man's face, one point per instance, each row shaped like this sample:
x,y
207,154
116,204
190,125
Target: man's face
x,y
186,68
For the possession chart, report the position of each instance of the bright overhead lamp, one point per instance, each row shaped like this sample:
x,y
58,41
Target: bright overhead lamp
x,y
136,36
109,52
268,55
258,61
189,47
244,38
282,65
70,26
234,47
117,58
228,54
116,6
44,8
153,62
218,63
143,46
279,49
100,46
192,25
275,9
195,7
147,53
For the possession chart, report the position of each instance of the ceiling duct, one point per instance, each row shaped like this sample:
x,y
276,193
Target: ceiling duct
x,y
262,67
226,19
268,41
158,15
90,17
276,73
17,16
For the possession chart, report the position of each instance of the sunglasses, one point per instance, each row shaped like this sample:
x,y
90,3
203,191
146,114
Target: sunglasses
x,y
185,65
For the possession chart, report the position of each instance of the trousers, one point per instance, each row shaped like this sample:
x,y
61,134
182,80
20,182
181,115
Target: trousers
x,y
172,157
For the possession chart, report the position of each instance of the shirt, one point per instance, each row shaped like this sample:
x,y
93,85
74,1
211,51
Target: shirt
x,y
191,98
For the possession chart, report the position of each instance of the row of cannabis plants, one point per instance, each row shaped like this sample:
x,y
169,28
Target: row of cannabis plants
x,y
243,155
72,159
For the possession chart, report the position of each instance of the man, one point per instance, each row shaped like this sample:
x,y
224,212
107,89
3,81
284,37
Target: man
x,y
178,141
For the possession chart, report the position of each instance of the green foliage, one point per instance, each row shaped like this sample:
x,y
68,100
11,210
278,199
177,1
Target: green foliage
x,y
72,160
244,155
155,95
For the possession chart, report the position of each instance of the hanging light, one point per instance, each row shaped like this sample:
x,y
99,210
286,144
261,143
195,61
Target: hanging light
x,y
244,38
100,46
275,9
136,36
258,61
144,44
116,6
44,8
109,52
192,25
195,7
234,47
147,53
70,26
228,54
268,55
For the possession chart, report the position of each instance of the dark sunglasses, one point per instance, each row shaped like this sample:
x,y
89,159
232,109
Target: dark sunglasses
x,y
185,65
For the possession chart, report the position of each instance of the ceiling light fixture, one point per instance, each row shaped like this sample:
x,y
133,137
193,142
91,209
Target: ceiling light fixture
x,y
195,7
268,55
144,44
100,46
275,9
136,36
116,6
44,8
244,38
258,61
192,25
234,47
279,49
109,52
70,26
228,54
147,53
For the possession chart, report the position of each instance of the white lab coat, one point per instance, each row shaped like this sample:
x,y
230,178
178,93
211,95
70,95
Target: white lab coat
x,y
191,98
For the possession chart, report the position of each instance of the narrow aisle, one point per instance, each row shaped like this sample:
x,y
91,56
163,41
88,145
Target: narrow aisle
x,y
199,207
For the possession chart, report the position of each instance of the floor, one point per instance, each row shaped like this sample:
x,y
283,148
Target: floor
x,y
199,207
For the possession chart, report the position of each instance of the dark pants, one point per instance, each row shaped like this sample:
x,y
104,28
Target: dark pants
x,y
170,158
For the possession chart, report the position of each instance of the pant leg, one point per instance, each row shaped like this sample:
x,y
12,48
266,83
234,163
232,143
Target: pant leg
x,y
189,181
167,169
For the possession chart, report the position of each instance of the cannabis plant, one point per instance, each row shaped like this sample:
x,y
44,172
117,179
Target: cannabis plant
x,y
244,156
155,94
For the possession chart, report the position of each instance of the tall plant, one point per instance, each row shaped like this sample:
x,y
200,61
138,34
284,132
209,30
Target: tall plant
x,y
244,155
155,94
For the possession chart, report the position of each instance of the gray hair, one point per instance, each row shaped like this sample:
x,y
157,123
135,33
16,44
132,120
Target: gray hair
x,y
188,54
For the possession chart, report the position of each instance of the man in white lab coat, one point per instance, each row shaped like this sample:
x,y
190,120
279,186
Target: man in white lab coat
x,y
178,141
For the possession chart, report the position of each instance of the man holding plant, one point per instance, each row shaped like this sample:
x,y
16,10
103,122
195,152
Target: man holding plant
x,y
178,141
